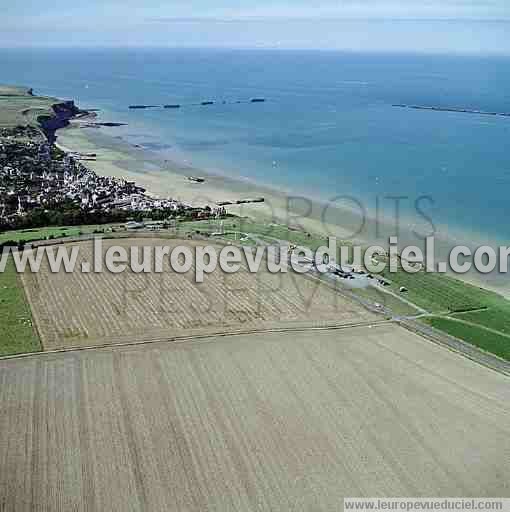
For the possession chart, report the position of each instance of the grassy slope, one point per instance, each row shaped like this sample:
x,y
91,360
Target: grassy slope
x,y
17,107
268,233
442,294
497,316
31,235
488,341
17,332
439,293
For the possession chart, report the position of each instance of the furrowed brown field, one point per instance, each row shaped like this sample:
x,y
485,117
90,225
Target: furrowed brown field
x,y
259,422
228,418
78,309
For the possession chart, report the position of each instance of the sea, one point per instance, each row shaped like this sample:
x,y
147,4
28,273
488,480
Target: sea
x,y
329,127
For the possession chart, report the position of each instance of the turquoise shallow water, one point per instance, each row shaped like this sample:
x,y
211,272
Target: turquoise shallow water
x,y
327,129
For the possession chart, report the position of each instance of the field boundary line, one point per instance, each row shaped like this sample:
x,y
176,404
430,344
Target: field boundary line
x,y
430,334
200,338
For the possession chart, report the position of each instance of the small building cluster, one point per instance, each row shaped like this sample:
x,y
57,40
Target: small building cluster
x,y
38,175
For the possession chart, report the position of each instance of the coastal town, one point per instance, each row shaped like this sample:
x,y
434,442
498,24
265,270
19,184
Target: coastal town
x,y
36,176
254,256
156,356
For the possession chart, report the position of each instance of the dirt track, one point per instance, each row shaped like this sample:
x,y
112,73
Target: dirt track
x,y
254,422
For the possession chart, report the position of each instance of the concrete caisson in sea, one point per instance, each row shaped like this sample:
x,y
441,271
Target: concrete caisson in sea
x,y
142,106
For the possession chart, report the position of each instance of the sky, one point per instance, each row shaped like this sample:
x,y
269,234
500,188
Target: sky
x,y
430,26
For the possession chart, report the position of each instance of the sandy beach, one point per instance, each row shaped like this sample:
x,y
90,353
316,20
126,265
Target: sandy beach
x,y
350,220
166,178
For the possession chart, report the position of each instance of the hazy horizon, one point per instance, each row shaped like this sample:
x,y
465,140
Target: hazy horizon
x,y
452,26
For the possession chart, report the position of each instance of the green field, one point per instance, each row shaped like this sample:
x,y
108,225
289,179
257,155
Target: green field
x,y
32,235
17,332
443,294
496,316
17,107
486,340
439,293
268,233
